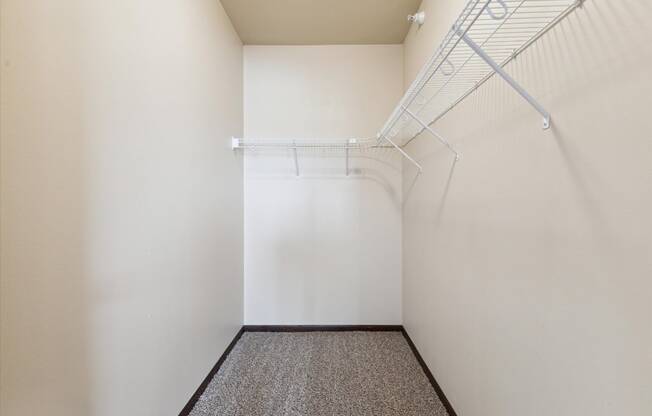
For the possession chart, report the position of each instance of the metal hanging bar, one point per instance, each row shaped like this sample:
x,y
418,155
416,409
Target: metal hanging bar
x,y
405,155
434,133
504,75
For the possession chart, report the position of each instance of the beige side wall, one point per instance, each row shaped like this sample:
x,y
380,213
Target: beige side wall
x,y
323,248
528,268
121,226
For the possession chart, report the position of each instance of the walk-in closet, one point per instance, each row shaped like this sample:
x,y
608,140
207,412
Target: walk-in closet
x,y
325,207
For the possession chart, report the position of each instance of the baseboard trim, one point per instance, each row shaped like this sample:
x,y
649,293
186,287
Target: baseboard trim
x,y
313,328
431,378
324,328
200,390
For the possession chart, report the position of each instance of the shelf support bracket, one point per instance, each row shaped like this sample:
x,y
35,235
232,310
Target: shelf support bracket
x,y
504,75
296,159
401,151
235,143
431,131
349,143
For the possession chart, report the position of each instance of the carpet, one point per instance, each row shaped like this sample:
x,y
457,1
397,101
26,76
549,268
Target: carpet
x,y
320,373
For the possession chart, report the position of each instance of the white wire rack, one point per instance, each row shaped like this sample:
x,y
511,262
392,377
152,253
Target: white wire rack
x,y
305,143
345,146
484,38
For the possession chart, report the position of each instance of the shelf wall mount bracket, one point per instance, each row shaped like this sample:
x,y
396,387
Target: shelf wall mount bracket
x,y
505,76
296,158
349,144
436,135
235,143
382,137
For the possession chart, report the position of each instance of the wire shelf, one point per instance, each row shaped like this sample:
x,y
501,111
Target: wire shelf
x,y
314,144
484,38
345,147
500,30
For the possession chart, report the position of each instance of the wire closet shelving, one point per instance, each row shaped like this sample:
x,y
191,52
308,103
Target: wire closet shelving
x,y
307,144
486,36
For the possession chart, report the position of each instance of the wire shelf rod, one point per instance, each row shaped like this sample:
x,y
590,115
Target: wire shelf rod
x,y
299,144
499,30
511,57
470,56
434,64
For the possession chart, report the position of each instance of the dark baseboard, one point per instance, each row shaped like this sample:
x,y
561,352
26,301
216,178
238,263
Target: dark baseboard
x,y
200,390
431,378
314,328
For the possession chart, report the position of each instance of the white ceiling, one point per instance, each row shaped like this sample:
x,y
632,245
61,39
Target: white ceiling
x,y
320,22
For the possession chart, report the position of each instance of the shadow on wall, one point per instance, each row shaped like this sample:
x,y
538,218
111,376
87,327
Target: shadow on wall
x,y
378,166
444,194
323,248
549,63
546,235
541,69
579,174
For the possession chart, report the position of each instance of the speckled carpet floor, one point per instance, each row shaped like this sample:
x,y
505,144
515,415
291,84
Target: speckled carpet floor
x,y
320,373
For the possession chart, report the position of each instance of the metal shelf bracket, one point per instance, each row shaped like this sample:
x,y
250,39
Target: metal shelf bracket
x,y
350,143
504,75
433,133
401,151
296,159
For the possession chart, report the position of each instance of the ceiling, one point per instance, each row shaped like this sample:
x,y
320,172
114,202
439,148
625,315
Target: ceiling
x,y
320,22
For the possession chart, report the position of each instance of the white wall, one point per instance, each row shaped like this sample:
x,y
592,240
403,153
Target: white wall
x,y
121,226
322,248
527,268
